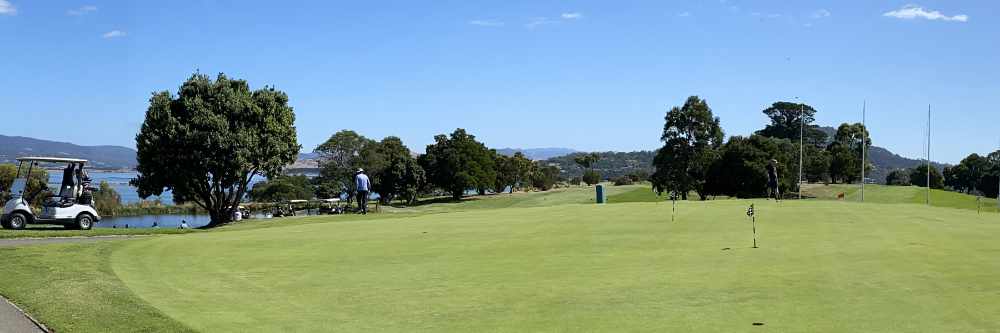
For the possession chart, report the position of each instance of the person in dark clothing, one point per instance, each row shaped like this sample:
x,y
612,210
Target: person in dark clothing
x,y
363,190
772,180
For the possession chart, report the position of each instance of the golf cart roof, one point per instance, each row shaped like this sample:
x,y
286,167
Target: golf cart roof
x,y
51,159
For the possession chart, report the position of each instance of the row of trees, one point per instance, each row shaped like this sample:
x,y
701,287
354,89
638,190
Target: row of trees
x,y
975,175
694,157
917,176
454,165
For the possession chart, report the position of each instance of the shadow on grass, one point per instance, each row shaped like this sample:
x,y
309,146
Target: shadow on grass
x,y
437,200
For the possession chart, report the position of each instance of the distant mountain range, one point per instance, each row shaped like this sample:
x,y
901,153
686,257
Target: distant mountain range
x,y
117,157
100,157
884,160
537,154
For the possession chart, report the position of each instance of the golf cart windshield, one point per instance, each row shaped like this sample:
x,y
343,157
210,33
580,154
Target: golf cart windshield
x,y
72,170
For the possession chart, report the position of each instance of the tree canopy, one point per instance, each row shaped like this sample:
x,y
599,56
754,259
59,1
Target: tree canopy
x,y
898,178
786,121
741,170
340,158
459,163
845,152
691,136
209,141
282,188
918,177
396,173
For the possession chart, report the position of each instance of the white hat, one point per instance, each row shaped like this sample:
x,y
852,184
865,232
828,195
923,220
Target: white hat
x,y
360,170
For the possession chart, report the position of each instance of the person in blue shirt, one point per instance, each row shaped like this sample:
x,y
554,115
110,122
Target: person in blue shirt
x,y
363,189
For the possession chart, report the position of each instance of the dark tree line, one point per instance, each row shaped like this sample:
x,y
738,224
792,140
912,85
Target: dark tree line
x,y
976,174
694,157
454,165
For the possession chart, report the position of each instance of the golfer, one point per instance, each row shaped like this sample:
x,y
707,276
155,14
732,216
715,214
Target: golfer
x,y
772,180
363,188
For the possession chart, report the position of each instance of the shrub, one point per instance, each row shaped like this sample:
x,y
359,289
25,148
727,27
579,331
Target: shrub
x,y
623,180
591,177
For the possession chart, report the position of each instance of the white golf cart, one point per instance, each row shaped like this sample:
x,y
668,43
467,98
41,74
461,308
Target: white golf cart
x,y
72,207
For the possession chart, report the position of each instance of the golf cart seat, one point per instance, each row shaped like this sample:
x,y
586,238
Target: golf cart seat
x,y
60,202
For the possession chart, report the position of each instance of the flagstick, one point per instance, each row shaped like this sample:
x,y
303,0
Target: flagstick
x,y
673,197
864,146
928,154
802,124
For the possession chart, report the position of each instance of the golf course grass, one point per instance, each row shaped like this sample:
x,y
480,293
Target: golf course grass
x,y
537,262
900,195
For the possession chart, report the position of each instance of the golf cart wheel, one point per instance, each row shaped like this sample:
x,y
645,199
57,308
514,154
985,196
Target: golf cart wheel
x,y
17,221
84,222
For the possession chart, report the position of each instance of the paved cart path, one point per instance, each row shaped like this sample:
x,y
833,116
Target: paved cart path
x,y
12,320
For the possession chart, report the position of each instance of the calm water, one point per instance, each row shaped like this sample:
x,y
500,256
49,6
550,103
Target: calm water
x,y
119,181
163,221
173,221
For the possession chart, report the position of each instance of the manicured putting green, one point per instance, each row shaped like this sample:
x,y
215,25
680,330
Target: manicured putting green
x,y
823,266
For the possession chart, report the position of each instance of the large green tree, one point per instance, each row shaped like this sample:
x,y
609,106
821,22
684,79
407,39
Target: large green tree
x,y
544,177
965,176
691,136
741,170
988,182
513,172
283,188
459,163
208,142
396,173
340,157
918,177
898,177
786,122
845,152
587,161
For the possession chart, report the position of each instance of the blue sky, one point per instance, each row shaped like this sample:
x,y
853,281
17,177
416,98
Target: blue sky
x,y
588,75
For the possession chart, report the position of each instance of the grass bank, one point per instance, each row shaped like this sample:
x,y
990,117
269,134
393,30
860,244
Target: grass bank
x,y
899,195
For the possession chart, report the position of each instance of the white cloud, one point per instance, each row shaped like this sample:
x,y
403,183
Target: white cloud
x,y
538,21
486,23
910,12
822,13
6,8
684,14
114,34
82,10
571,16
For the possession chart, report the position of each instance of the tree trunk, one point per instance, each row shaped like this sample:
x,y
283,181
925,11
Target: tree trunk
x,y
219,217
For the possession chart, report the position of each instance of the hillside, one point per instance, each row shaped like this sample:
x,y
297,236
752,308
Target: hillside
x,y
611,165
100,157
537,154
884,160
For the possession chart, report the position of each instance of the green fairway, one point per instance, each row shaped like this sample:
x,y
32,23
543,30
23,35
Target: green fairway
x,y
535,262
822,266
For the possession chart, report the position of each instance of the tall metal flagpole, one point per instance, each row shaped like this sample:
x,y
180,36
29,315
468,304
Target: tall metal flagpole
x,y
928,154
864,146
802,124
